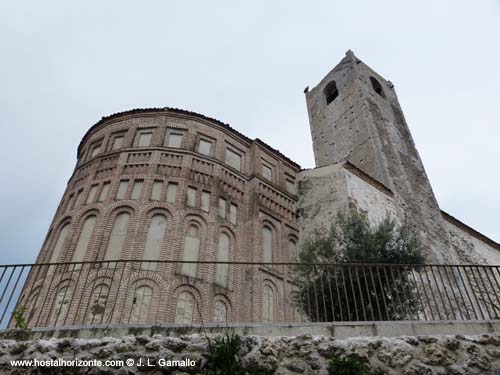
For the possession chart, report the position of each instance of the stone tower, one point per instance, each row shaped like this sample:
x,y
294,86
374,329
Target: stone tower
x,y
355,118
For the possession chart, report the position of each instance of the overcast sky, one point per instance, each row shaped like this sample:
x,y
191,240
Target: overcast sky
x,y
65,64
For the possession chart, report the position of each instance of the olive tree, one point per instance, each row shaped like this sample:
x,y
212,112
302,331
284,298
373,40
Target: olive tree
x,y
359,271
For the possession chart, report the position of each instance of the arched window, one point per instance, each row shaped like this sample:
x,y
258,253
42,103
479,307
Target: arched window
x,y
185,308
220,312
154,241
222,270
331,92
32,307
98,304
267,244
267,304
292,249
61,306
141,304
117,237
191,251
56,252
377,87
84,240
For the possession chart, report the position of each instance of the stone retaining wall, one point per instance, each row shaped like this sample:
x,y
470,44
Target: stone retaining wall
x,y
415,355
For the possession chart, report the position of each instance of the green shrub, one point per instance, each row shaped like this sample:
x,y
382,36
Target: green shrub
x,y
350,365
19,316
224,356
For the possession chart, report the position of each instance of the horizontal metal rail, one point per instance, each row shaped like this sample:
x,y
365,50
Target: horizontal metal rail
x,y
189,292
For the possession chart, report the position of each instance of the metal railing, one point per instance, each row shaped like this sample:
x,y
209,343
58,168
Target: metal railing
x,y
131,291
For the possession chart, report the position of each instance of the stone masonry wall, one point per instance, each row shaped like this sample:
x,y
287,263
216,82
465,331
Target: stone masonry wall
x,y
327,191
364,125
419,355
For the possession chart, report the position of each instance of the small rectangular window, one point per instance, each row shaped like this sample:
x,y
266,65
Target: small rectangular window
x,y
222,207
117,142
104,192
156,190
122,189
92,193
267,172
233,159
205,201
171,192
174,140
233,214
95,150
291,186
205,147
144,138
136,189
70,202
77,199
191,197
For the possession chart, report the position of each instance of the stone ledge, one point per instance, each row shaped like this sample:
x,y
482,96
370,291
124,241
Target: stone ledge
x,y
338,330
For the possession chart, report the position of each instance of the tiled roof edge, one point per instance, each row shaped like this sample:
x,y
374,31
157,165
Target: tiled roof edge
x,y
189,113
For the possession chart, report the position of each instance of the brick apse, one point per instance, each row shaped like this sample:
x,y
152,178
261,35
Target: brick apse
x,y
168,184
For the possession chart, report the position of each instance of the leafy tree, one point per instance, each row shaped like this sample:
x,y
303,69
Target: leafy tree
x,y
341,276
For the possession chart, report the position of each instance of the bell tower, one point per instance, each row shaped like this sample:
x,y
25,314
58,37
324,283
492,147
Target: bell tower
x,y
355,117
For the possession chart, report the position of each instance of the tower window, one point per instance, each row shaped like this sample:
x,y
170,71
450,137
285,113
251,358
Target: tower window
x,y
377,87
331,92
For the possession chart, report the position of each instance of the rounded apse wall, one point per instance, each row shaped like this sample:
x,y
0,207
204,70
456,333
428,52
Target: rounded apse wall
x,y
172,185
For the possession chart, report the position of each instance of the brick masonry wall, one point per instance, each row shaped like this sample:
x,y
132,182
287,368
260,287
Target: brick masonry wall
x,y
259,202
